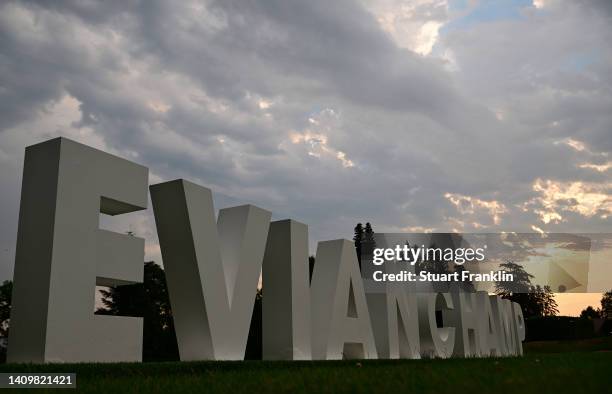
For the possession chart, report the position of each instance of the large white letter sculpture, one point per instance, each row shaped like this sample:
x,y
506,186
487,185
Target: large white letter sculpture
x,y
490,327
394,314
470,336
286,305
436,342
341,325
510,324
212,269
62,255
519,324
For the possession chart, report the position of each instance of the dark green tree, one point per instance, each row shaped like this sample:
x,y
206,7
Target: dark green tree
x,y
368,244
368,236
6,290
606,305
520,284
590,313
254,348
534,300
543,302
311,263
358,239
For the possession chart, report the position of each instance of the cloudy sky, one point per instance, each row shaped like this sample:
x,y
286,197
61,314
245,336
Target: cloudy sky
x,y
415,115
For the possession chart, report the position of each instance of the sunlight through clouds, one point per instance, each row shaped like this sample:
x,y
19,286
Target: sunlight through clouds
x,y
585,198
315,137
467,205
413,25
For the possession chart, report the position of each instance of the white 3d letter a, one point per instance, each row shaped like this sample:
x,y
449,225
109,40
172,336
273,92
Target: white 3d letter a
x,y
341,326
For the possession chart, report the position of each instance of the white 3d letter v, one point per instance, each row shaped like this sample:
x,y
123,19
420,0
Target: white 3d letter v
x,y
212,269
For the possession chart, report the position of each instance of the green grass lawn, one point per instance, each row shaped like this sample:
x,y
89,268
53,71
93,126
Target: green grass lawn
x,y
585,345
541,370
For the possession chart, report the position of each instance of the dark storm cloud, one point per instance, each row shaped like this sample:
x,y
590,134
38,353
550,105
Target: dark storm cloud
x,y
312,110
